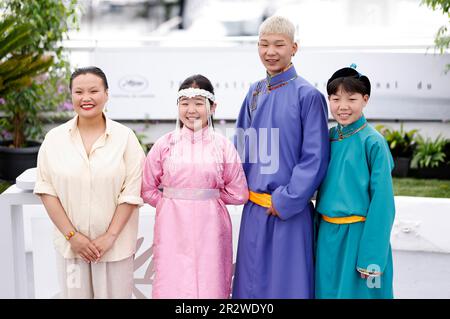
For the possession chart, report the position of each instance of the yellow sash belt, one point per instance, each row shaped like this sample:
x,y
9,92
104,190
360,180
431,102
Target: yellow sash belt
x,y
344,220
264,200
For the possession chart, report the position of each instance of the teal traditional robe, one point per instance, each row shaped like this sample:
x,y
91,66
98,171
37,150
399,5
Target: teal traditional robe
x,y
358,182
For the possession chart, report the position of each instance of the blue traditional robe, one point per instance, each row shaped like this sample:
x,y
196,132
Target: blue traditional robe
x,y
288,118
358,182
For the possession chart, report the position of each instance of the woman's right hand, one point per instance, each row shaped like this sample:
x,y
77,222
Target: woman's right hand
x,y
82,246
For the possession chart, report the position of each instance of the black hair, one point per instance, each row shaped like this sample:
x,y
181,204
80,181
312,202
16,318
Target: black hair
x,y
89,70
198,81
350,84
349,80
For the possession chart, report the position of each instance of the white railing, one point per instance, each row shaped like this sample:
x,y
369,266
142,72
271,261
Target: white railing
x,y
28,262
28,265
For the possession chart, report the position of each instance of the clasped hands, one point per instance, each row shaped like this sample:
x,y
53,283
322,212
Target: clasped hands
x,y
91,251
272,211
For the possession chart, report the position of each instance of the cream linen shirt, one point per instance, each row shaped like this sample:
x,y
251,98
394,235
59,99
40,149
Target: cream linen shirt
x,y
91,187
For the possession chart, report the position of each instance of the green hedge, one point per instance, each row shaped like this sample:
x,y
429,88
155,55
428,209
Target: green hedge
x,y
421,187
402,187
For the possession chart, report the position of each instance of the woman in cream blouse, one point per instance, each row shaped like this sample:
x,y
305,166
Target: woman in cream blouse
x,y
89,179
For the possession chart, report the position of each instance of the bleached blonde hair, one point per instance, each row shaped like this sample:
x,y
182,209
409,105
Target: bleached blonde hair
x,y
278,24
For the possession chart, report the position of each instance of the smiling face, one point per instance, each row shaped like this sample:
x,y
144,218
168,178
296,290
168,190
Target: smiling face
x,y
276,51
347,107
88,95
193,113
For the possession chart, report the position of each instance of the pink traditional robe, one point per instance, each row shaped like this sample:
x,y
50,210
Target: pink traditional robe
x,y
192,245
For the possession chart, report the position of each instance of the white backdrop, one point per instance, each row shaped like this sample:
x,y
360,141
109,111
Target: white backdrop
x,y
144,81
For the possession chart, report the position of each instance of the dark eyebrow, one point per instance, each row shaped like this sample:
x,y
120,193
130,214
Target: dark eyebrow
x,y
195,97
90,88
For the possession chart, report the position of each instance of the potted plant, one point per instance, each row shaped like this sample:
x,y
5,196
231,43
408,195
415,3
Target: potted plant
x,y
430,159
447,151
401,144
46,23
16,72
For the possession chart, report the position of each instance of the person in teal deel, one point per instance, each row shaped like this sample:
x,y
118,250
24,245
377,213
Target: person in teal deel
x,y
355,202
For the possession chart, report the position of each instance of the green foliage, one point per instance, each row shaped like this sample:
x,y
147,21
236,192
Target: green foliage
x,y
429,153
50,21
442,38
4,186
17,69
35,105
141,137
401,143
443,5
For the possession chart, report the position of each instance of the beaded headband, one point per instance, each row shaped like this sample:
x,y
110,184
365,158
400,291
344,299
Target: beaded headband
x,y
191,92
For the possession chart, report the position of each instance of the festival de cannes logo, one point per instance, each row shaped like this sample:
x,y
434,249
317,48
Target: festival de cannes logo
x,y
133,83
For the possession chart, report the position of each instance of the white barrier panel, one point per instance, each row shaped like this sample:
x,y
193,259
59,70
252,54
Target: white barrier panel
x,y
144,81
39,241
422,224
421,227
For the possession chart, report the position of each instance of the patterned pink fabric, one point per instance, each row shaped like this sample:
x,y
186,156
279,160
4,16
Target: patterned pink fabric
x,y
191,193
192,238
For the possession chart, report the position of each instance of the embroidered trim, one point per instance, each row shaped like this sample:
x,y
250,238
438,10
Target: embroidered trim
x,y
368,272
279,84
255,94
342,136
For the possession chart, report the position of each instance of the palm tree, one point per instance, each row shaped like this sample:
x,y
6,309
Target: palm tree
x,y
18,69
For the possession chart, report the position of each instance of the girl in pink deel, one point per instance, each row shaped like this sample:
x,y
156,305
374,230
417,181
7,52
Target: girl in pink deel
x,y
190,174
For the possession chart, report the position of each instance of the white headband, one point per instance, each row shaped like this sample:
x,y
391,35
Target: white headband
x,y
191,92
